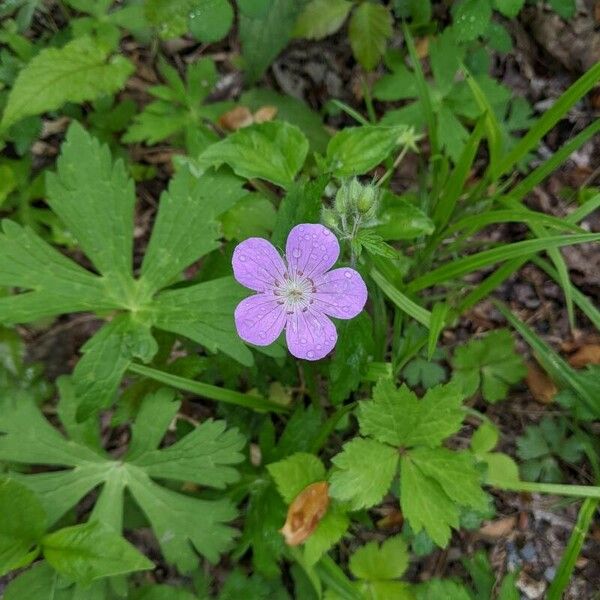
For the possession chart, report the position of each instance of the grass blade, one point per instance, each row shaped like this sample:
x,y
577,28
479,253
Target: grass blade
x,y
403,302
462,266
553,364
206,390
547,121
436,326
567,563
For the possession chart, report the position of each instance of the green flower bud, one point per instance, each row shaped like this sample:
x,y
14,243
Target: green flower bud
x,y
367,201
329,218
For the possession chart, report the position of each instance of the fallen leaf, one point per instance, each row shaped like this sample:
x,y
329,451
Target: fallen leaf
x,y
499,528
236,118
392,520
588,354
305,512
265,113
542,388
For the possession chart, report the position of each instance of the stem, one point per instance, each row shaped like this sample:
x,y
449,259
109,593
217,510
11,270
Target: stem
x,y
556,489
391,170
366,89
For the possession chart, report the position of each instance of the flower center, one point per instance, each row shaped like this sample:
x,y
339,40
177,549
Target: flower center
x,y
295,292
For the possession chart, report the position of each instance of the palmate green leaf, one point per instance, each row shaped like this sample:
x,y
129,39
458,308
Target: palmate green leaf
x,y
374,562
398,417
328,532
355,480
211,20
490,363
357,150
81,70
400,219
321,18
294,473
471,18
181,522
274,151
91,551
22,525
95,198
369,29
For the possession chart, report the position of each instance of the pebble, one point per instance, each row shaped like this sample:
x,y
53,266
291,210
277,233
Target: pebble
x,y
528,552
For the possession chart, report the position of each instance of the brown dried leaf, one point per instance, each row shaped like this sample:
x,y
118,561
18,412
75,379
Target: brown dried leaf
x,y
588,354
265,113
392,520
499,528
305,512
542,388
236,118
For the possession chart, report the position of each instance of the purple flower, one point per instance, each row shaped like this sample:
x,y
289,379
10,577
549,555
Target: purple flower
x,y
297,294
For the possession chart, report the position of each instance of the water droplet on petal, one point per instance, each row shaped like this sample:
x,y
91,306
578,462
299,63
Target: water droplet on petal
x,y
323,248
346,309
314,236
262,335
303,340
347,274
318,346
243,257
300,227
331,337
248,322
306,236
296,253
310,354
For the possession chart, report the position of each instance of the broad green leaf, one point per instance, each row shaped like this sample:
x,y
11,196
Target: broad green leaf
x,y
396,416
471,18
455,472
187,224
378,562
321,18
82,70
400,219
354,350
274,151
251,216
490,364
435,589
445,55
355,480
204,455
294,473
86,175
425,504
509,8
158,121
211,20
265,27
485,438
22,524
293,111
91,551
33,584
369,29
328,532
162,592
398,85
357,150
302,204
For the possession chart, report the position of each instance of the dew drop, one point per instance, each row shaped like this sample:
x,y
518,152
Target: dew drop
x,y
323,247
310,354
347,274
262,335
249,323
314,236
297,253
346,309
331,337
326,231
300,227
243,257
306,236
303,340
318,347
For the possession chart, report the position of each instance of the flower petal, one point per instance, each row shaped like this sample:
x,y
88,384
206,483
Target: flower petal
x,y
341,293
311,250
310,334
259,319
257,264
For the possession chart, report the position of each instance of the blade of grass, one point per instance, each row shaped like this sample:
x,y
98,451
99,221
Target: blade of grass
x,y
213,392
588,207
335,579
554,365
437,322
516,215
492,127
581,300
547,121
403,302
550,165
462,266
456,182
555,489
569,558
350,111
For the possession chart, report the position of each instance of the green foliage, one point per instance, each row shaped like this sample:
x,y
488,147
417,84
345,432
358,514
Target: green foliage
x,y
274,151
203,457
369,29
543,445
321,18
81,70
434,481
490,364
104,230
